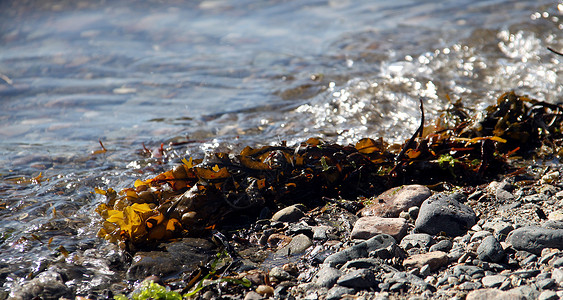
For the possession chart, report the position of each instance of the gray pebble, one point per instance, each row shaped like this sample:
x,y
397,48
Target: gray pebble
x,y
558,262
469,286
361,263
557,274
278,274
534,239
443,245
493,281
546,283
360,250
444,212
361,279
490,250
500,229
504,191
548,295
467,270
338,292
529,292
326,276
416,240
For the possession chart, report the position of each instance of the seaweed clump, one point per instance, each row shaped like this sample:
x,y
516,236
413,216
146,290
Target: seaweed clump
x,y
200,194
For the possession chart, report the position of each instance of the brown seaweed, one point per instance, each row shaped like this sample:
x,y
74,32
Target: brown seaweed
x,y
200,194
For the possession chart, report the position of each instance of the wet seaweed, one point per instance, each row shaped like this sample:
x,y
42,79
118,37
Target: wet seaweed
x,y
460,148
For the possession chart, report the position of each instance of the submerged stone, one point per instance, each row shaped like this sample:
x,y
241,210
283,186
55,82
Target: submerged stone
x,y
180,256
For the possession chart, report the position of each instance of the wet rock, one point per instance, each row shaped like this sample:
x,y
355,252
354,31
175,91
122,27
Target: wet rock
x,y
533,239
396,200
367,227
443,245
490,250
47,285
326,276
445,213
360,279
361,249
416,240
434,260
493,281
300,228
488,294
289,214
298,244
338,292
180,256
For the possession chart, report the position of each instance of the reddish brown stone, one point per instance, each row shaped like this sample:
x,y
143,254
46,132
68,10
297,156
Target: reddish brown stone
x,y
434,260
367,227
392,202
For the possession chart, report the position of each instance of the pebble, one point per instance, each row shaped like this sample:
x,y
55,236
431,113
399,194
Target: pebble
x,y
490,250
469,286
298,244
179,256
289,214
467,270
444,212
443,245
396,200
493,281
252,295
434,260
557,275
488,294
321,232
326,276
367,227
500,229
361,249
265,290
278,274
548,295
503,192
47,285
527,291
416,240
361,279
338,292
534,239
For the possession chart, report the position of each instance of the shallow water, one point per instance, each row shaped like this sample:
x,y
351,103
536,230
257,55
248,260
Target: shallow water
x,y
215,76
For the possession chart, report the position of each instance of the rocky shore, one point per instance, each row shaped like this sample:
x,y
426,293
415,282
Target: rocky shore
x,y
501,240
